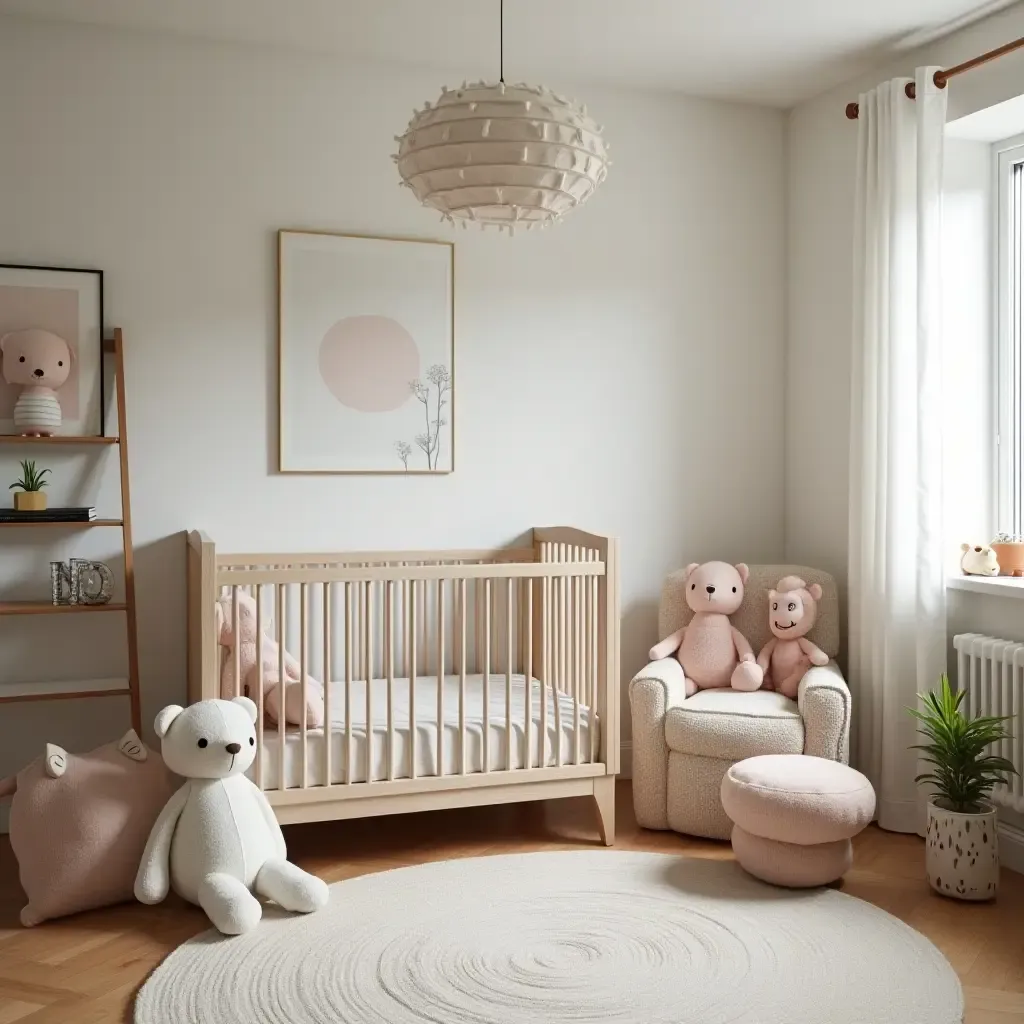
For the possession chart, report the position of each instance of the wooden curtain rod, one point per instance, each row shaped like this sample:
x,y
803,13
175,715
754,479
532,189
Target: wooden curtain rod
x,y
942,77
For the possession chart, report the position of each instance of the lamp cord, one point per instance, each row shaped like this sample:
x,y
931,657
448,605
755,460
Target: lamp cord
x,y
501,41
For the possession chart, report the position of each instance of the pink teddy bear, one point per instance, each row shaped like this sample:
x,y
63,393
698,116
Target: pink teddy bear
x,y
711,651
40,362
246,643
785,659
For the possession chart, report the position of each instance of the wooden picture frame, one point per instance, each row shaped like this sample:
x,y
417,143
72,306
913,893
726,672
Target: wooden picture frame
x,y
366,354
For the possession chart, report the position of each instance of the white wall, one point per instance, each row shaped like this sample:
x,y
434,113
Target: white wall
x,y
615,373
820,189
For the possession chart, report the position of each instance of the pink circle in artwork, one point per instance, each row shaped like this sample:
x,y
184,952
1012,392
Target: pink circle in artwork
x,y
367,363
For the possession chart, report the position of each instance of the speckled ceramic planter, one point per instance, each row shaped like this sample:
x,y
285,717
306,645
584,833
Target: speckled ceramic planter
x,y
962,853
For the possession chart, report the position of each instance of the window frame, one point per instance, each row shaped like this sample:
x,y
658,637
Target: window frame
x,y
1009,513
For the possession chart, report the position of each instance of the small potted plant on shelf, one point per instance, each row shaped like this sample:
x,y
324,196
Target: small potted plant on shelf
x,y
961,845
31,497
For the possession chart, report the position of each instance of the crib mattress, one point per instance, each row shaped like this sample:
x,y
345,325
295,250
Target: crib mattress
x,y
560,730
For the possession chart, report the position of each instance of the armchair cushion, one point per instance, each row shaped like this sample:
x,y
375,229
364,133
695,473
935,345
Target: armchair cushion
x,y
731,725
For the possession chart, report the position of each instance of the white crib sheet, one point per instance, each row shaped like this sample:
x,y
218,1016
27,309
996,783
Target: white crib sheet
x,y
560,734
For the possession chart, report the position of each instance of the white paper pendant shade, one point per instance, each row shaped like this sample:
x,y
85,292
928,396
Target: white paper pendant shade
x,y
511,155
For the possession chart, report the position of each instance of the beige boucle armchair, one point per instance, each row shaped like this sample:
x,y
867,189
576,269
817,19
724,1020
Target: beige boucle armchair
x,y
683,746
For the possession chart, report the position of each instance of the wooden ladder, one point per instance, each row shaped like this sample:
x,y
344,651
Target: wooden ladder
x,y
113,348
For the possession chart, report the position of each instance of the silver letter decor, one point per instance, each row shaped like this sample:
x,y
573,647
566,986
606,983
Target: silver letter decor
x,y
82,581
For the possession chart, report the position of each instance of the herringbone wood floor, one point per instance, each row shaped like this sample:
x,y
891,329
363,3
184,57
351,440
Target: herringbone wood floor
x,y
86,969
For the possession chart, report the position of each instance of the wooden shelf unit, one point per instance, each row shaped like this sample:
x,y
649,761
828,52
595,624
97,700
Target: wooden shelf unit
x,y
69,525
46,608
13,693
59,439
114,348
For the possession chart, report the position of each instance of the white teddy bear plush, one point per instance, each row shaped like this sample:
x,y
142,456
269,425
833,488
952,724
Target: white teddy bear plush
x,y
217,840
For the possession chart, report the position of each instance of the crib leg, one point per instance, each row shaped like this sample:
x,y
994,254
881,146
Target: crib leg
x,y
604,797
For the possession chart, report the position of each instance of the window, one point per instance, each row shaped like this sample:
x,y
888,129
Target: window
x,y
1009,162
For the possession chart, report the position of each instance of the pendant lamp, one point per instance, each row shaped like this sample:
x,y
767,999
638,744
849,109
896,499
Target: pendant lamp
x,y
515,156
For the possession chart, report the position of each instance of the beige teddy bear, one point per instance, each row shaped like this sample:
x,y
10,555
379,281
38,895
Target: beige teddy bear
x,y
785,659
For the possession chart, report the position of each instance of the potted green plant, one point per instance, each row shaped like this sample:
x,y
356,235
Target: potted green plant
x,y
961,844
30,498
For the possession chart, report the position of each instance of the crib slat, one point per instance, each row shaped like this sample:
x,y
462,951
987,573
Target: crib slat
x,y
237,652
303,673
349,627
413,596
592,660
368,673
577,668
487,676
478,599
440,678
508,674
389,661
402,651
528,671
420,590
561,667
328,731
259,687
282,782
546,667
462,676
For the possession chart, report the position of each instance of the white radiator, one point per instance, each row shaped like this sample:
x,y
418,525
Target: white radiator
x,y
992,672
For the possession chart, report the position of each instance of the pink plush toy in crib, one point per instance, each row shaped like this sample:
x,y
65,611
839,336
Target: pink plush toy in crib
x,y
246,642
792,609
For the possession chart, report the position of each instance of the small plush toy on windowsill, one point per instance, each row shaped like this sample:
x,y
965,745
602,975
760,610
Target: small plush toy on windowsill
x,y
978,560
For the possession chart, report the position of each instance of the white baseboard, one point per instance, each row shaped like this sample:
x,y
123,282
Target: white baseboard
x,y
1011,847
626,759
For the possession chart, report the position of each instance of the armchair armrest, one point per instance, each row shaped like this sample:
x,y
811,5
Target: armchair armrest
x,y
825,705
652,691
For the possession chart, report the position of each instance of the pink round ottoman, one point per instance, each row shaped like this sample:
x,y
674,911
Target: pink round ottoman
x,y
794,816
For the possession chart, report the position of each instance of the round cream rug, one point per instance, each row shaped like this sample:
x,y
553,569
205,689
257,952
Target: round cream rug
x,y
548,938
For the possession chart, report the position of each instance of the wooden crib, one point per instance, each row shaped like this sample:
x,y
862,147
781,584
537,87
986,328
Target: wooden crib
x,y
450,678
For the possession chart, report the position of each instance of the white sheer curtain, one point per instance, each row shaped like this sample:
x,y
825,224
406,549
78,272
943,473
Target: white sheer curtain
x,y
897,641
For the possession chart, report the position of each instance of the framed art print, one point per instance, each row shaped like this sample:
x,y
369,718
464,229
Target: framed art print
x,y
366,354
69,303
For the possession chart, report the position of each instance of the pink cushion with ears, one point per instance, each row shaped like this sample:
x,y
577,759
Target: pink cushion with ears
x,y
79,837
795,798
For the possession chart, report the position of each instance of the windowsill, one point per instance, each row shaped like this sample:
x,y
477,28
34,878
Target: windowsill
x,y
994,586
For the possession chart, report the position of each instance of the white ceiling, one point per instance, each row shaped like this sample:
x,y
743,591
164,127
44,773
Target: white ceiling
x,y
768,51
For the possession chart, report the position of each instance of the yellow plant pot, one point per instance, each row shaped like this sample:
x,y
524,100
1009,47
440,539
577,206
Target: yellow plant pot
x,y
30,501
1010,558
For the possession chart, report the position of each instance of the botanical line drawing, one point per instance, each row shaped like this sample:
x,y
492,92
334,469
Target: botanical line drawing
x,y
429,441
404,450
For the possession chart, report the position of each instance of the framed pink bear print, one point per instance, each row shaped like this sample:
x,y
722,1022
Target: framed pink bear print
x,y
51,351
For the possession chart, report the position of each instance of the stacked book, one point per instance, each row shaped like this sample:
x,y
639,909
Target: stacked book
x,y
49,515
